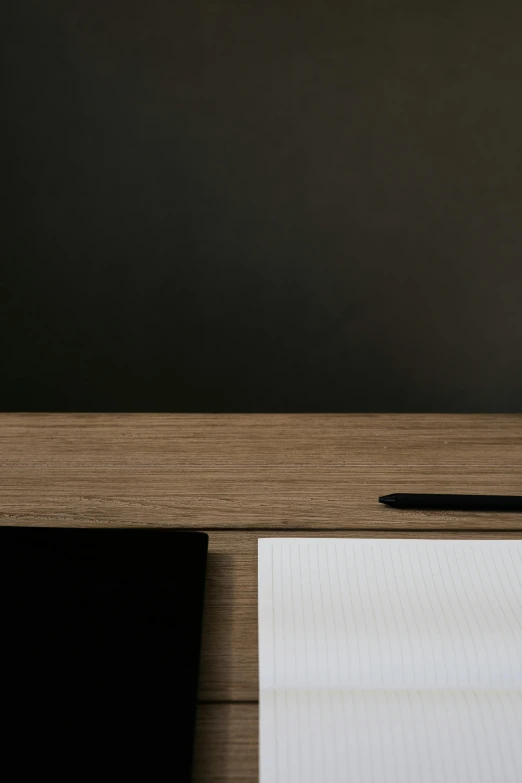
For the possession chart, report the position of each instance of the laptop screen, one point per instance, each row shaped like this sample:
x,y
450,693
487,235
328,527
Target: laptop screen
x,y
99,656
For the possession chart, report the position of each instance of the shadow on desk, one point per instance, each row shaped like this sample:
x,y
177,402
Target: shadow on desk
x,y
223,737
218,631
227,744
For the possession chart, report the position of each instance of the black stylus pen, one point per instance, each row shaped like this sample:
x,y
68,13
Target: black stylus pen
x,y
456,502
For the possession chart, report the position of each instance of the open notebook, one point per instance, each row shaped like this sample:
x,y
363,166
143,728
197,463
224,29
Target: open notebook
x,y
390,661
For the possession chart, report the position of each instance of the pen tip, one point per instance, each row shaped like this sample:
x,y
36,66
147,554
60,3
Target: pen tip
x,y
388,500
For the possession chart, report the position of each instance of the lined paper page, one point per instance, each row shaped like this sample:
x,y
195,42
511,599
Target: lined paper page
x,y
390,660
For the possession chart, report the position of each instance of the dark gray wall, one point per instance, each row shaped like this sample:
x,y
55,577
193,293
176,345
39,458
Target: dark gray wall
x,y
229,205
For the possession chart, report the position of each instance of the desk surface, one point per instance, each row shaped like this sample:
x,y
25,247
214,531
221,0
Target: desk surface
x,y
241,477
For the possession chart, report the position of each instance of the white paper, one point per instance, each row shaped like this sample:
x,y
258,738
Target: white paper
x,y
390,661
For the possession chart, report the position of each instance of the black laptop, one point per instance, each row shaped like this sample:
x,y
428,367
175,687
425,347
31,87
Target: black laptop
x,y
100,635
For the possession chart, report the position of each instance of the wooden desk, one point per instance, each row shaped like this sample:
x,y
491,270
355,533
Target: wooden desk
x,y
241,477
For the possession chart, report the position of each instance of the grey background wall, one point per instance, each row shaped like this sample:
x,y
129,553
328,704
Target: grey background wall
x,y
266,205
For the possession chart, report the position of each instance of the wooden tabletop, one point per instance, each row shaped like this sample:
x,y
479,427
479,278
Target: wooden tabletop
x,y
242,477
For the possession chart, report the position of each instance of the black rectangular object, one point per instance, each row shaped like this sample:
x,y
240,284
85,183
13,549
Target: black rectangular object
x,y
100,646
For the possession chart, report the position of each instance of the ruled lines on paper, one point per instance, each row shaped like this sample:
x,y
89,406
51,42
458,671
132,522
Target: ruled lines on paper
x,y
384,660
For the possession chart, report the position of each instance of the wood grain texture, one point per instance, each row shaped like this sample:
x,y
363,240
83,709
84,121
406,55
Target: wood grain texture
x,y
241,477
277,472
226,746
302,497
220,441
